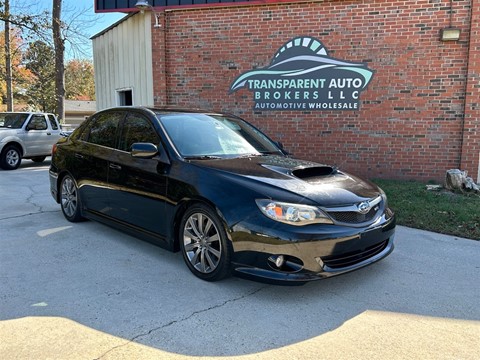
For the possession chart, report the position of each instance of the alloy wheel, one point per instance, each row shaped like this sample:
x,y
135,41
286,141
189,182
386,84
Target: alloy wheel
x,y
12,157
202,244
69,197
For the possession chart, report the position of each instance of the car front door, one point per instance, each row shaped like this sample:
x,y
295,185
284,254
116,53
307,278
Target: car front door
x,y
138,185
38,136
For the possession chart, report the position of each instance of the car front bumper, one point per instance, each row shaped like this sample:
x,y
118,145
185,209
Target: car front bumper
x,y
53,176
309,253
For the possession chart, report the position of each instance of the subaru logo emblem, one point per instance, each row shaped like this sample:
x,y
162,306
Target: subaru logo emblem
x,y
363,207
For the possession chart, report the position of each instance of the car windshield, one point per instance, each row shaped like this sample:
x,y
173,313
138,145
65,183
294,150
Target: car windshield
x,y
207,136
12,120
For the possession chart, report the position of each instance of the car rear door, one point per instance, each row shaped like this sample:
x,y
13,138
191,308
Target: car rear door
x,y
90,160
52,121
139,186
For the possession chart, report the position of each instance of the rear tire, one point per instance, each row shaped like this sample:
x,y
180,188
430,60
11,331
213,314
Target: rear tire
x,y
11,158
70,199
204,243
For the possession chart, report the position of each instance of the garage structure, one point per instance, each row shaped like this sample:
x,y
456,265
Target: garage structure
x,y
418,116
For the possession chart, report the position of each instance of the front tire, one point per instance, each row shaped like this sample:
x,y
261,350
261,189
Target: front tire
x,y
70,199
11,158
204,244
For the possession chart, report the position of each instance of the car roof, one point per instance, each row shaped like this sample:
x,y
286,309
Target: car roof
x,y
159,110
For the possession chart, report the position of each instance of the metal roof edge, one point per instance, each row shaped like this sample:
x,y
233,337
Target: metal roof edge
x,y
127,16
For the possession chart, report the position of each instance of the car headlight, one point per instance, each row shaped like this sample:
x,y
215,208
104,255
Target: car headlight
x,y
293,214
384,198
388,212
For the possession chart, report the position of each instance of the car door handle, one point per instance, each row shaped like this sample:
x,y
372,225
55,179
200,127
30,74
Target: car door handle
x,y
79,156
48,133
115,167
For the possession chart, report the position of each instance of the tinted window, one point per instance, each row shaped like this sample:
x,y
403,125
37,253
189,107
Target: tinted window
x,y
137,129
12,121
102,129
38,122
53,122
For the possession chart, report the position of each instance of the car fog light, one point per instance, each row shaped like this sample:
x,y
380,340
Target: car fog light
x,y
279,261
285,263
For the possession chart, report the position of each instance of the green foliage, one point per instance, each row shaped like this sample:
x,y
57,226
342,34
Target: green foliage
x,y
79,80
453,213
39,60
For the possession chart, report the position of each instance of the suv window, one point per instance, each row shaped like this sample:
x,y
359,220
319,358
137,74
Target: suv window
x,y
137,128
102,129
37,122
52,121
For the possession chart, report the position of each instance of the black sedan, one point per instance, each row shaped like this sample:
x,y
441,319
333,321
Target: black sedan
x,y
220,191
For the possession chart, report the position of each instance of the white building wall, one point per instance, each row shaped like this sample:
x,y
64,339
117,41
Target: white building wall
x,y
123,60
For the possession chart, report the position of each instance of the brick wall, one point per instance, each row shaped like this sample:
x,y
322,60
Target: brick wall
x,y
411,119
471,127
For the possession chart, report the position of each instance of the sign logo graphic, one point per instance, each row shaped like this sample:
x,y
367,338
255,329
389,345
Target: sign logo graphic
x,y
301,76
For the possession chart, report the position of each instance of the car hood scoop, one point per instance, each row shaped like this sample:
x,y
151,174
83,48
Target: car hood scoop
x,y
310,173
313,172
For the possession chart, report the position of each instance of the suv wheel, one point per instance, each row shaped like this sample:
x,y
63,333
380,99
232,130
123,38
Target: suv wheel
x,y
10,158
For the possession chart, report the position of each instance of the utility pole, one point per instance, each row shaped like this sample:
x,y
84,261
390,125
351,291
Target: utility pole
x,y
8,57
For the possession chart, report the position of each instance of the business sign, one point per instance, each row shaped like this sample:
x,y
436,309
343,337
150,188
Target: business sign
x,y
301,76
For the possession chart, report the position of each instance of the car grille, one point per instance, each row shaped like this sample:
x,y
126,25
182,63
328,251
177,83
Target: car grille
x,y
352,258
353,217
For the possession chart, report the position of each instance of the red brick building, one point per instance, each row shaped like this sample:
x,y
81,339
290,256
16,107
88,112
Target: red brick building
x,y
418,117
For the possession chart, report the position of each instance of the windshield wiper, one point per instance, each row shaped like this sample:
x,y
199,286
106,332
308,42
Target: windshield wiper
x,y
250,155
201,157
271,153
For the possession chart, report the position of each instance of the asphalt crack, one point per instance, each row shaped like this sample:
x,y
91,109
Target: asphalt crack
x,y
29,214
30,199
173,322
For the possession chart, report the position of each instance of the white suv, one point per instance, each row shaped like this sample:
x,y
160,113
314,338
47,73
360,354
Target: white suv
x,y
26,135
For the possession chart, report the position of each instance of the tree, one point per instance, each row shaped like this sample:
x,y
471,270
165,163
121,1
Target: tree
x,y
36,24
49,27
30,23
8,59
79,80
20,75
39,60
59,46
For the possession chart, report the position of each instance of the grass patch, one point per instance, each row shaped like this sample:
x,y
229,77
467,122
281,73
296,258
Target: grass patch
x,y
445,212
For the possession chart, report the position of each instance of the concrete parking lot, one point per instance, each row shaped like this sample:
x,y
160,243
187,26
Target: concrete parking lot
x,y
86,291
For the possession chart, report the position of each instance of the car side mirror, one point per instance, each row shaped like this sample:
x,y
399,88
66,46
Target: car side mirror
x,y
144,150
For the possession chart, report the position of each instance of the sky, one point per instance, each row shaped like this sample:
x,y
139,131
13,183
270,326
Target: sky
x,y
94,23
